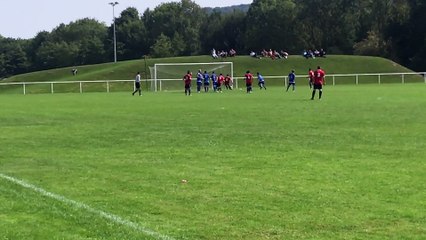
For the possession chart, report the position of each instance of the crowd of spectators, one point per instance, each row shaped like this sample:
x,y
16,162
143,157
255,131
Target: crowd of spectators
x,y
314,53
273,54
223,53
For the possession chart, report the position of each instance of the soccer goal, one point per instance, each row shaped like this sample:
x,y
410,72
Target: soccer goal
x,y
168,76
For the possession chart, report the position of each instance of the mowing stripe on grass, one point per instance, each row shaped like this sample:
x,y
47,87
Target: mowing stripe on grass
x,y
109,216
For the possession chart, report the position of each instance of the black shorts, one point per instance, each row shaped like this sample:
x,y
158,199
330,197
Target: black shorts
x,y
137,85
248,85
187,86
318,86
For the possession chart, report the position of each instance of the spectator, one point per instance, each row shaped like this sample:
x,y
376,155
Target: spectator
x,y
284,54
316,53
214,54
74,71
223,54
306,54
271,54
311,53
277,54
255,55
322,53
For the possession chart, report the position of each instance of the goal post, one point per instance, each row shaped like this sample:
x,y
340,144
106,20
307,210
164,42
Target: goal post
x,y
168,76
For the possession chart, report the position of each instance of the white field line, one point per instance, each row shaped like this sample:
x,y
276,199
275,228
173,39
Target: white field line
x,y
78,205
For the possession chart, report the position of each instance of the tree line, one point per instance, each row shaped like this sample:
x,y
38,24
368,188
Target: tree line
x,y
389,28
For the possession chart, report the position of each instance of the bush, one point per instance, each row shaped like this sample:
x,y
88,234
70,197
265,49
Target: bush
x,y
373,45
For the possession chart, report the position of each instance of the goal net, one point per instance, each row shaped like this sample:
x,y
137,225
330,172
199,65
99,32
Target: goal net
x,y
168,76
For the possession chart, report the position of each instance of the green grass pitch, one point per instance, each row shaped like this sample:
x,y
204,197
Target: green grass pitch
x,y
267,165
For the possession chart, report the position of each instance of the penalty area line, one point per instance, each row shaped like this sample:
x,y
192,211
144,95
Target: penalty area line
x,y
78,205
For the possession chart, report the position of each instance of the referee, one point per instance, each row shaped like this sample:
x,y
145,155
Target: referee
x,y
138,84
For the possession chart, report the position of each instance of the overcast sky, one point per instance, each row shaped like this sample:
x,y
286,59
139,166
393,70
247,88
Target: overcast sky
x,y
25,18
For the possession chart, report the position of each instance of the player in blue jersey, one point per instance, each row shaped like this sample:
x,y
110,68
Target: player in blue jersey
x,y
214,81
206,78
261,81
291,80
199,81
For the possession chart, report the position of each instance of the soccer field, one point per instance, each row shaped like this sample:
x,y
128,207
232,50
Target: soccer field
x,y
267,165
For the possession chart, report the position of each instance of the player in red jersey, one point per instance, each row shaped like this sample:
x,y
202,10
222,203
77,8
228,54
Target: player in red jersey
x,y
249,81
319,80
228,82
311,78
187,80
220,81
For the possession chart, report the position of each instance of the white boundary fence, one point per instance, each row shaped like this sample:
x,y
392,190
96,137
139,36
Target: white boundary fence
x,y
333,78
353,78
79,83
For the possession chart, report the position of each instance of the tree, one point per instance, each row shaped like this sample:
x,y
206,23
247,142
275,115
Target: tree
x,y
57,54
13,58
176,17
331,24
371,46
223,31
178,44
131,35
270,24
83,39
162,47
211,32
3,72
34,45
405,36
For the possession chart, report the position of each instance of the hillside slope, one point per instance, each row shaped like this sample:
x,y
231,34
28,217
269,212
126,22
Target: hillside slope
x,y
126,69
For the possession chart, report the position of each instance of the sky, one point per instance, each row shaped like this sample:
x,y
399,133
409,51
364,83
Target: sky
x,y
25,18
